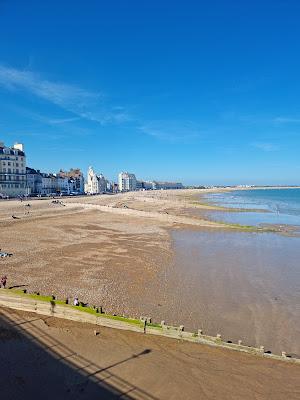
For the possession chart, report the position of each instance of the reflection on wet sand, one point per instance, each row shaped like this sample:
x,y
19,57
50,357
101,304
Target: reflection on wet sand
x,y
242,285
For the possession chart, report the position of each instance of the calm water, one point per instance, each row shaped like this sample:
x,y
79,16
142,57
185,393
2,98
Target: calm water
x,y
279,206
240,284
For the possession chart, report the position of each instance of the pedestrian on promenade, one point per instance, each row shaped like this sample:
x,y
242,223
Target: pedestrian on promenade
x,y
76,301
3,281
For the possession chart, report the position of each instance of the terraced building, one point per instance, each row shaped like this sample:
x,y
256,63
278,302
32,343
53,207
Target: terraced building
x,y
12,170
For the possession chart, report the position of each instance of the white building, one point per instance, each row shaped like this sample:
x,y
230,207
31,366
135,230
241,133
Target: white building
x,y
75,180
127,182
49,184
62,184
156,185
96,184
12,170
166,185
34,181
144,185
52,184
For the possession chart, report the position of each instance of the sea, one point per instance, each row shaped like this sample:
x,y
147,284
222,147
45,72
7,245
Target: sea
x,y
259,207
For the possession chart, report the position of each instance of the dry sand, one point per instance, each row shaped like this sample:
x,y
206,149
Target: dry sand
x,y
103,258
48,358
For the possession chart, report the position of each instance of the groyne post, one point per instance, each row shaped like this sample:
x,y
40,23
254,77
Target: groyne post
x,y
48,306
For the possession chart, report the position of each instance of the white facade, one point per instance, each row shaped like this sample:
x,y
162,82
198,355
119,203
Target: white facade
x,y
155,185
48,184
62,185
51,184
33,181
75,180
95,183
127,182
12,170
166,185
92,182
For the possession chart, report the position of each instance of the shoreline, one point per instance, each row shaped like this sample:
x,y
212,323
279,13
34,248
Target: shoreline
x,y
284,228
185,198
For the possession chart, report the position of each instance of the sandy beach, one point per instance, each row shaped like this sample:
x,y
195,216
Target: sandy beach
x,y
106,249
73,363
123,252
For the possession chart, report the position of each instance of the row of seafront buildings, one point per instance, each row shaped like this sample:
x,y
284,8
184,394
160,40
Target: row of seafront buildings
x,y
16,179
127,182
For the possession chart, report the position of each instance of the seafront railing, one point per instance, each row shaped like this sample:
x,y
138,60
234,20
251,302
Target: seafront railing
x,y
50,306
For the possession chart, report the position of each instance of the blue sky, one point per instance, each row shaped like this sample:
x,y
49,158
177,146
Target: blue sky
x,y
202,92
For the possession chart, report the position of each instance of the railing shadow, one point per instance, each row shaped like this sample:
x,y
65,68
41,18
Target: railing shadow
x,y
33,364
17,286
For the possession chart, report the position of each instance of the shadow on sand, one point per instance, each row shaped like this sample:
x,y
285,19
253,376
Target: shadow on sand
x,y
34,365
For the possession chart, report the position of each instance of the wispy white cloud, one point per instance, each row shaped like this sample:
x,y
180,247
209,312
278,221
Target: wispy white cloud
x,y
64,95
171,131
42,118
265,146
84,104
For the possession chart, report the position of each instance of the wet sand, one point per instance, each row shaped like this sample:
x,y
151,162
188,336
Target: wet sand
x,y
48,358
241,285
135,256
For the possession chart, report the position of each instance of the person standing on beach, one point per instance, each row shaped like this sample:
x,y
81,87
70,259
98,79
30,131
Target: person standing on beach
x,y
3,281
76,302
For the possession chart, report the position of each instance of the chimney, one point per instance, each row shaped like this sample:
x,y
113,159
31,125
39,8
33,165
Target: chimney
x,y
18,146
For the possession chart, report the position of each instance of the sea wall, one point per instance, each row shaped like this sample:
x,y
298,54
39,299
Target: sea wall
x,y
49,306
